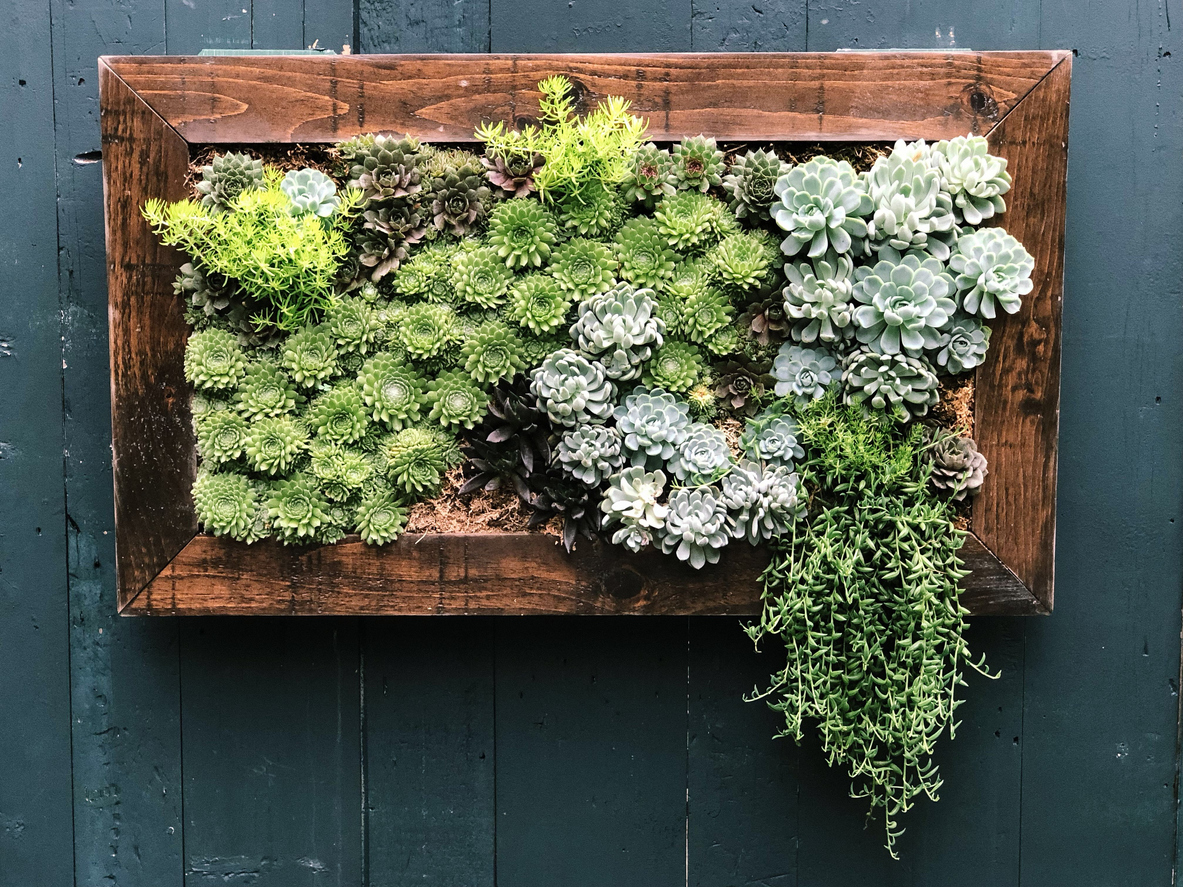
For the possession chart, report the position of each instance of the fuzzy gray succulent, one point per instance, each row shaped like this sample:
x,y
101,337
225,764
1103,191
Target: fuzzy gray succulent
x,y
702,457
902,386
993,271
802,373
572,389
311,193
620,329
822,205
819,299
764,501
958,469
631,507
963,345
909,203
974,178
697,526
906,301
590,453
750,183
654,424
772,437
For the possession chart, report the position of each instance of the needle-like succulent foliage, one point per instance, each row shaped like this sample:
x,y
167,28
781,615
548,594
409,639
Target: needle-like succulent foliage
x,y
963,345
905,302
819,299
631,507
573,390
492,352
993,272
654,424
803,373
909,203
522,232
226,504
456,400
764,500
297,509
480,277
650,176
692,222
697,526
904,387
750,182
354,326
311,192
310,355
620,329
974,178
584,267
675,367
590,453
227,176
538,303
958,469
697,164
645,257
427,329
275,443
380,519
702,457
773,437
385,167
821,205
214,361
221,436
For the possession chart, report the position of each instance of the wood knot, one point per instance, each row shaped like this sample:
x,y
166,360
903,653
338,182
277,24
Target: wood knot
x,y
981,101
580,96
523,121
623,583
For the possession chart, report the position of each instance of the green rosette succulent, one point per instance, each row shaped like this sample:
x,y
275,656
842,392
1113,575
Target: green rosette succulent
x,y
522,232
342,471
380,519
726,341
909,204
573,390
339,414
650,176
456,400
975,179
275,443
459,197
221,436
353,325
741,262
592,211
427,276
697,527
227,176
428,329
538,303
416,461
963,345
297,509
200,291
311,193
697,164
590,453
821,205
703,457
620,329
480,277
819,299
310,355
339,519
692,222
676,367
214,361
584,267
388,232
803,374
266,390
492,352
958,469
226,504
645,257
750,183
702,403
992,271
772,437
905,302
394,391
764,501
902,386
654,424
386,168
705,312
631,506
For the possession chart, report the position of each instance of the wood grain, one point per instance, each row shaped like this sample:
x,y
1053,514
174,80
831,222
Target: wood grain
x,y
154,451
767,96
1017,397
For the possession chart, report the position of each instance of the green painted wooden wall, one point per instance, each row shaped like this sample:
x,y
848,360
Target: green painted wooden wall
x,y
565,753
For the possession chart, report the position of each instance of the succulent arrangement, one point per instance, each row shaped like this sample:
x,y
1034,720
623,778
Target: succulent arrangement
x,y
665,347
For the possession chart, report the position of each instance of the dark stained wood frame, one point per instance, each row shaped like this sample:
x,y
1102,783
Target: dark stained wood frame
x,y
154,108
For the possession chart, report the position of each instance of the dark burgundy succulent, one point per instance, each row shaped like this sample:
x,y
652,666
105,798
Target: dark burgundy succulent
x,y
766,320
513,176
743,383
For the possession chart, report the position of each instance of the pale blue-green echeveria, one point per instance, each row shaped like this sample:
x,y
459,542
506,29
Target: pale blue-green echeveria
x,y
572,389
697,164
803,374
297,508
702,457
214,360
993,271
909,204
456,400
904,387
590,453
310,191
963,345
819,297
394,391
772,437
750,183
905,303
821,205
631,501
654,424
380,519
620,329
764,500
226,504
697,526
266,390
522,232
274,444
974,178
310,355
221,436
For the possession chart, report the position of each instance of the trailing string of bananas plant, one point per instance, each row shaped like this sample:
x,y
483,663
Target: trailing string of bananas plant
x,y
864,600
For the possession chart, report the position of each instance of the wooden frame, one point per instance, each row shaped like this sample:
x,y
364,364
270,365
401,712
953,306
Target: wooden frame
x,y
153,108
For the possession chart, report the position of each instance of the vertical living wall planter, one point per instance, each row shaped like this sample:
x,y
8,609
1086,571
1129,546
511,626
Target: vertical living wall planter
x,y
155,109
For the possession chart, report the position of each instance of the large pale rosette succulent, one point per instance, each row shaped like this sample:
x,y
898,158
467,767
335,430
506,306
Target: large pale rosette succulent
x,y
703,457
818,299
590,453
654,424
803,374
975,179
821,205
904,387
764,501
958,469
993,271
963,345
905,303
620,329
697,526
572,389
909,203
631,505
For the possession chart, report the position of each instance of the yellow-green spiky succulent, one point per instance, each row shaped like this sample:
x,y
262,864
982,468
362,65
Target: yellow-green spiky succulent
x,y
393,390
380,519
522,232
214,360
226,503
538,303
492,352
